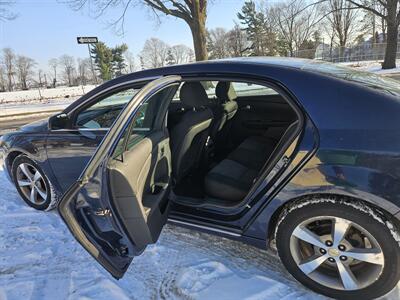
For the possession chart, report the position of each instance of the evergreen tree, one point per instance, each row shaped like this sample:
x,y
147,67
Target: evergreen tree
x,y
103,58
118,59
258,30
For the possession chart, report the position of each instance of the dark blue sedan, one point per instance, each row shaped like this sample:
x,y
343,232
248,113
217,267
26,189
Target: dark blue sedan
x,y
296,155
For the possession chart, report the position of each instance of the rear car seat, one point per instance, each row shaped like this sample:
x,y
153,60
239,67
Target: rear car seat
x,y
233,177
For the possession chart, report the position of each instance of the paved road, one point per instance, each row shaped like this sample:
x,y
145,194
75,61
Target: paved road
x,y
11,125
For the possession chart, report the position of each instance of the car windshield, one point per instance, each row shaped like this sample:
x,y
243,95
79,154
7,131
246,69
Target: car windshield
x,y
370,80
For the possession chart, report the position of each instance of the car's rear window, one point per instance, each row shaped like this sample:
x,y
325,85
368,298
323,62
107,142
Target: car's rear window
x,y
367,79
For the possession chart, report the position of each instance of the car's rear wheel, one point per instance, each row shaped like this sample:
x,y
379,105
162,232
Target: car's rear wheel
x,y
32,184
341,249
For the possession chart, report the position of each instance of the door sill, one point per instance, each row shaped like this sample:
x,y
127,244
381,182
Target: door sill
x,y
207,228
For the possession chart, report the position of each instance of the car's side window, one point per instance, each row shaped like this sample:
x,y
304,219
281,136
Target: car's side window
x,y
103,113
147,118
244,89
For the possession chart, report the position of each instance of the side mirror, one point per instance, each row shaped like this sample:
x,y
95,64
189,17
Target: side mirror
x,y
59,121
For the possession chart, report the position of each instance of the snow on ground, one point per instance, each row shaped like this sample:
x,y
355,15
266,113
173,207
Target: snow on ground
x,y
374,66
39,259
35,95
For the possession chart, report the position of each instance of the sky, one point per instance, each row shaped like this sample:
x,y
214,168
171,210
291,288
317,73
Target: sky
x,y
47,29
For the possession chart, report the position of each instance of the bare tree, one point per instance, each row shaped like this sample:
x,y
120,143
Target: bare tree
x,y
391,15
233,43
53,64
295,22
182,54
2,79
374,24
154,53
192,12
343,21
5,12
24,66
40,78
130,62
68,63
237,42
83,70
9,66
217,43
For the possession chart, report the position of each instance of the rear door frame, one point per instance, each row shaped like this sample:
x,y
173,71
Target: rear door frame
x,y
236,219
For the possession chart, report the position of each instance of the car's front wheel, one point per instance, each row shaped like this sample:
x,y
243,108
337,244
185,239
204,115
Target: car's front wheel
x,y
32,183
342,249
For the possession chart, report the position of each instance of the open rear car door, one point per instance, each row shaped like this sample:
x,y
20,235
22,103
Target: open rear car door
x,y
119,204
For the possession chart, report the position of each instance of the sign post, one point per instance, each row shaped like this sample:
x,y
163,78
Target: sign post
x,y
89,40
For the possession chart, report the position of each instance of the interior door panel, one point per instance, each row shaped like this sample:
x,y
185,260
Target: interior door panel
x,y
119,204
262,115
139,186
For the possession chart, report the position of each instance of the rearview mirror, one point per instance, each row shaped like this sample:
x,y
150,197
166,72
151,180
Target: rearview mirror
x,y
59,121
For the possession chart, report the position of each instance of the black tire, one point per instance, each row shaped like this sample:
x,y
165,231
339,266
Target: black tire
x,y
380,227
51,198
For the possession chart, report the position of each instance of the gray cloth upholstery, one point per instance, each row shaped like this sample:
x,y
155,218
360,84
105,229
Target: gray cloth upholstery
x,y
233,177
229,180
227,96
192,94
225,91
224,112
189,136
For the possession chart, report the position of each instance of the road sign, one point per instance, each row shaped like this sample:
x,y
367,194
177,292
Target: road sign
x,y
87,39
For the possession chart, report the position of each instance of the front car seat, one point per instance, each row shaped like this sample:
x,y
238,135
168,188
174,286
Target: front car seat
x,y
221,126
189,136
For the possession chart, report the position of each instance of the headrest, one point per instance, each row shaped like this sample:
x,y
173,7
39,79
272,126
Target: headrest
x,y
193,94
225,91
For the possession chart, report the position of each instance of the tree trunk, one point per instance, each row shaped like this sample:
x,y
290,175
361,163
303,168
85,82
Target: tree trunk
x,y
391,47
10,83
199,40
392,34
198,28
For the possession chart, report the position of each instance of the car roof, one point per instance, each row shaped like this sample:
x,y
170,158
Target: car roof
x,y
287,62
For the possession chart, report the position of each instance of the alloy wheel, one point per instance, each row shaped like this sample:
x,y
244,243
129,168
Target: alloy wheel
x,y
31,183
337,253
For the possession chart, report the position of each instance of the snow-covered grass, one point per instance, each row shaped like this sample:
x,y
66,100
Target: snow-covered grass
x,y
39,259
35,95
374,66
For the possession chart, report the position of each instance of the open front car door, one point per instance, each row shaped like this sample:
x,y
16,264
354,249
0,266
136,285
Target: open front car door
x,y
119,204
